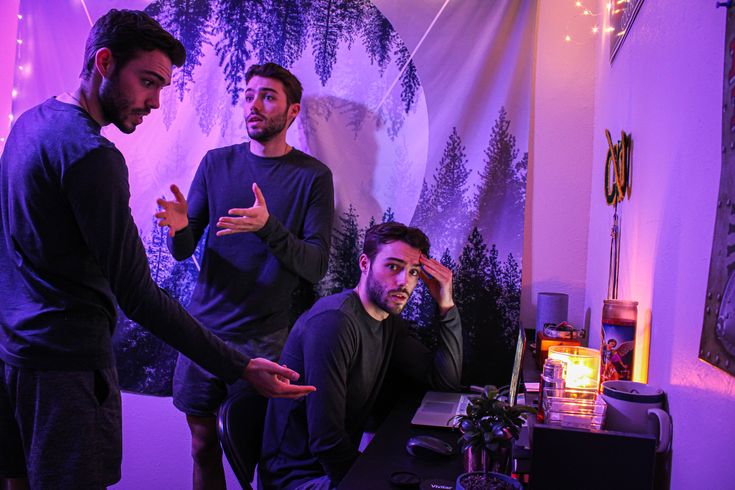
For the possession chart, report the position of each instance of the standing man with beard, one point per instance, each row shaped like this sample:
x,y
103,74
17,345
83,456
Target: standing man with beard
x,y
69,251
269,209
345,345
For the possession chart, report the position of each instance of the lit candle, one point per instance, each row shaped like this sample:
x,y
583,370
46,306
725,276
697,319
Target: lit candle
x,y
582,365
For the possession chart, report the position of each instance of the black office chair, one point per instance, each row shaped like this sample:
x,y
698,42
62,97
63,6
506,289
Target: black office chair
x,y
240,431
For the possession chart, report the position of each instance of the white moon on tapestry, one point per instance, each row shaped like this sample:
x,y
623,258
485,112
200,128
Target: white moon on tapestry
x,y
373,137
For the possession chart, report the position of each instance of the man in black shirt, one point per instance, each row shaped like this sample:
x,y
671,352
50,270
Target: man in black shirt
x,y
254,256
344,346
69,250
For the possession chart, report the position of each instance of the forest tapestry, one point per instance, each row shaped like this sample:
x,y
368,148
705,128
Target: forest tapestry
x,y
438,139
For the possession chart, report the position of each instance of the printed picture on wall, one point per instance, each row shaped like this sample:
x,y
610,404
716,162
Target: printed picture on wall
x,y
717,344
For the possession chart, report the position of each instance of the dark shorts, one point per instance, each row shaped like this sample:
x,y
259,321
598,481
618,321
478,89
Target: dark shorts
x,y
61,429
199,393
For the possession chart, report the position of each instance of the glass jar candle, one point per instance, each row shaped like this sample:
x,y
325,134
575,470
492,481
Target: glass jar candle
x,y
582,365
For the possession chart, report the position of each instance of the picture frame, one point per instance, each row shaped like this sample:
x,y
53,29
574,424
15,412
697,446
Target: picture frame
x,y
622,15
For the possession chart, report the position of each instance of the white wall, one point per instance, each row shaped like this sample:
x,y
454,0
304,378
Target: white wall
x,y
156,446
665,88
560,162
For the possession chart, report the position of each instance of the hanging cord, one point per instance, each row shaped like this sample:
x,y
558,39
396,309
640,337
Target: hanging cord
x,y
410,58
614,267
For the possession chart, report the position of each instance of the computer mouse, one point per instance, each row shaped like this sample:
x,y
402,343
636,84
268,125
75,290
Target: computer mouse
x,y
428,447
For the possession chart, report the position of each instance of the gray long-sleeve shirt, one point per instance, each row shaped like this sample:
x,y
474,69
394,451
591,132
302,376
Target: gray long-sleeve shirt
x,y
346,354
247,279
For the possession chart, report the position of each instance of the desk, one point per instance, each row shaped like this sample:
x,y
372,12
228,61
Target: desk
x,y
386,453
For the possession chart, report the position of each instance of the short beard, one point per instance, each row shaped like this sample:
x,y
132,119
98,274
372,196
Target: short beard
x,y
113,103
272,128
379,295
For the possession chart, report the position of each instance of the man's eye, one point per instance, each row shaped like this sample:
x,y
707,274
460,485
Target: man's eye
x,y
248,98
414,272
147,83
392,267
269,97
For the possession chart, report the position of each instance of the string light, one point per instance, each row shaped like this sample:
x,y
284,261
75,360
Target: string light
x,y
25,70
584,11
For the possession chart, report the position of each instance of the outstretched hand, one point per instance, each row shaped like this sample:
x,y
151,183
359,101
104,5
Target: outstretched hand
x,y
244,220
173,213
274,381
439,281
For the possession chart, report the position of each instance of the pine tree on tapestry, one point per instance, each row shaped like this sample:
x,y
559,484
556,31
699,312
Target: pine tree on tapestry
x,y
180,284
232,22
388,215
188,21
410,82
156,248
521,177
378,37
510,299
332,21
423,214
281,33
447,197
344,270
500,195
476,297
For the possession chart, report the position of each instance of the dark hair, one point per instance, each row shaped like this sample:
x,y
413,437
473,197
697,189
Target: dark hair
x,y
393,232
126,33
291,84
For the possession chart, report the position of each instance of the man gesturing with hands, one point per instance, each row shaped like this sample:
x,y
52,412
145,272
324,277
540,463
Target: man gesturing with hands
x,y
345,345
255,253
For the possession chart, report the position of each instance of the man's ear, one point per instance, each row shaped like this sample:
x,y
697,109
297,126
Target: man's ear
x,y
364,262
104,62
294,110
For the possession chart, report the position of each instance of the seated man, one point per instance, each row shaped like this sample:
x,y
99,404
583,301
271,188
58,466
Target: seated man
x,y
344,346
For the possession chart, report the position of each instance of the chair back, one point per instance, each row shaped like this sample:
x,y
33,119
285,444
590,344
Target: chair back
x,y
240,431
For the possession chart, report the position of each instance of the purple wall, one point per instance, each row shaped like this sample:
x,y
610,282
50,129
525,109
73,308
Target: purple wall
x,y
665,88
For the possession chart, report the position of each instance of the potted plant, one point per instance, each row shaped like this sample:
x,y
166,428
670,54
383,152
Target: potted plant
x,y
480,480
489,428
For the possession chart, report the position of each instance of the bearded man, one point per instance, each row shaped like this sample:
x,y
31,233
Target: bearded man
x,y
255,253
344,346
69,252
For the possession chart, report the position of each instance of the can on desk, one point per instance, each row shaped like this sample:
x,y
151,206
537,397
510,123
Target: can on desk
x,y
617,339
552,376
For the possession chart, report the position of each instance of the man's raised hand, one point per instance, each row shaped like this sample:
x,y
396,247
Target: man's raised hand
x,y
439,281
173,213
244,220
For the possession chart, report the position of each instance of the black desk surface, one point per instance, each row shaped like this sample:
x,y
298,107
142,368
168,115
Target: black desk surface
x,y
387,454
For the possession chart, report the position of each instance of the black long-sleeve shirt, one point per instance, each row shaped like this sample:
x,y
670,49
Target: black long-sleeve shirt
x,y
247,279
346,354
69,250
